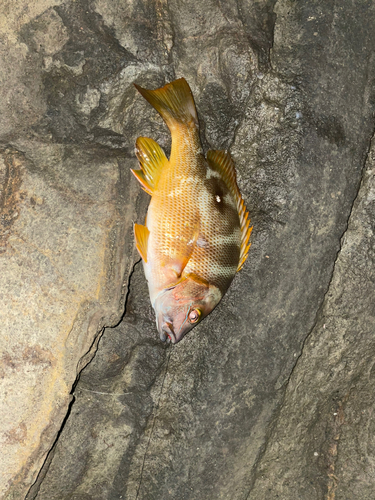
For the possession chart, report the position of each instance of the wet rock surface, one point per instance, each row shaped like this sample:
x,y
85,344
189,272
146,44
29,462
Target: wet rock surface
x,y
63,249
324,430
270,397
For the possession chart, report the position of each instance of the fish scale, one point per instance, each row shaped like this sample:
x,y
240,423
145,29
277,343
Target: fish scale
x,y
196,235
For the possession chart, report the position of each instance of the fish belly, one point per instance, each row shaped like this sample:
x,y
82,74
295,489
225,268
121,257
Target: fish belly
x,y
191,232
173,222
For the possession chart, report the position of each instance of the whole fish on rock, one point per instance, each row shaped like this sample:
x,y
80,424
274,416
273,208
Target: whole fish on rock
x,y
196,234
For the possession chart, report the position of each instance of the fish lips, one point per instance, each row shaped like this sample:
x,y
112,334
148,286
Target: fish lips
x,y
172,317
166,332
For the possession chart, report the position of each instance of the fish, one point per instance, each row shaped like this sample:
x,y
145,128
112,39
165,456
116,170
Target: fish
x,y
197,228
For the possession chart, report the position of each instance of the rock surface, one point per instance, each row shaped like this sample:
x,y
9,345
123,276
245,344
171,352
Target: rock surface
x,y
61,230
270,397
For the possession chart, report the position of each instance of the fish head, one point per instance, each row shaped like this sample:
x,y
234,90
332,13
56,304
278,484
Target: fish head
x,y
182,306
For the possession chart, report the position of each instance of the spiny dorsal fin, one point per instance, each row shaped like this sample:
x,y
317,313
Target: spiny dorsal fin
x,y
174,102
221,161
141,234
245,234
152,159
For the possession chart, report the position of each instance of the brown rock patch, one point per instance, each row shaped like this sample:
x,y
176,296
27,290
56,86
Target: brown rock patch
x,y
17,434
10,181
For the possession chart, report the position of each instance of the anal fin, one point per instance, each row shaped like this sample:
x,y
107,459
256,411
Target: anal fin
x,y
141,234
141,178
152,160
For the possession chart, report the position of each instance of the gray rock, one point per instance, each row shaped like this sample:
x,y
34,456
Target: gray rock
x,y
64,254
270,397
322,443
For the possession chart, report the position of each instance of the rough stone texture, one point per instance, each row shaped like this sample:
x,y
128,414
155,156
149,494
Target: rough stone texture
x,y
270,397
66,245
322,445
63,256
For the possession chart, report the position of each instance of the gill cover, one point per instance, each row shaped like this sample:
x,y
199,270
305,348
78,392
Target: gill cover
x,y
182,306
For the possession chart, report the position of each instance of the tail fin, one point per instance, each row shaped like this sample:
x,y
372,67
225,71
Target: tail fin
x,y
174,102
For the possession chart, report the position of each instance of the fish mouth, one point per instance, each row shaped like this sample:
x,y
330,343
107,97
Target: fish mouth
x,y
166,331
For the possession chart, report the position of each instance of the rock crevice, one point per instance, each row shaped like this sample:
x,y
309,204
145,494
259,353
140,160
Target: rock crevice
x,y
270,397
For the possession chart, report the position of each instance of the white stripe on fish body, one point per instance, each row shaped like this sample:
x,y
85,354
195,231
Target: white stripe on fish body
x,y
220,240
216,255
183,183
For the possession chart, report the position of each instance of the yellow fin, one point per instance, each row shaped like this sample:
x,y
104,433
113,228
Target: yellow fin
x,y
221,161
152,159
181,249
246,232
185,290
199,280
180,260
141,234
141,178
192,276
174,102
175,283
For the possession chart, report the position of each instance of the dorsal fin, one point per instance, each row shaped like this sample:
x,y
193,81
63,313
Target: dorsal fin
x,y
174,102
141,234
245,233
221,161
152,159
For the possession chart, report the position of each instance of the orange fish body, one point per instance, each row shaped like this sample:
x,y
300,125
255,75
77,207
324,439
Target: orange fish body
x,y
196,235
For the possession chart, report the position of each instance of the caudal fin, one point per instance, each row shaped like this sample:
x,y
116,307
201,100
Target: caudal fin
x,y
174,102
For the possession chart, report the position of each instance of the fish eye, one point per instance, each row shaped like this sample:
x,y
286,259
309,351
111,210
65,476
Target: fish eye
x,y
194,315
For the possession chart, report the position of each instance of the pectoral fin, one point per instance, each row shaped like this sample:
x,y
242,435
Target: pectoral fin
x,y
191,283
142,179
141,234
221,162
181,249
199,280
